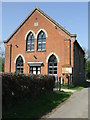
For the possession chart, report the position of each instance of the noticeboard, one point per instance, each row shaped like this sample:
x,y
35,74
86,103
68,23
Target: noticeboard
x,y
66,70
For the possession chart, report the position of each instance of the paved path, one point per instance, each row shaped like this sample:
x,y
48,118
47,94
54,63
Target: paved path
x,y
75,107
65,90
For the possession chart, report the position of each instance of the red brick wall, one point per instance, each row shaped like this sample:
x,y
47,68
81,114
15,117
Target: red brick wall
x,y
55,42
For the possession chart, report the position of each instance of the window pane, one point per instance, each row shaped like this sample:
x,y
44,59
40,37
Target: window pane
x,y
44,41
55,72
32,41
34,68
43,46
50,63
38,68
32,47
55,64
32,37
39,46
55,68
28,47
50,72
50,68
38,72
34,72
28,42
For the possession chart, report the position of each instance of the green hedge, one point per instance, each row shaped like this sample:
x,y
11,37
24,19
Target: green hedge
x,y
16,87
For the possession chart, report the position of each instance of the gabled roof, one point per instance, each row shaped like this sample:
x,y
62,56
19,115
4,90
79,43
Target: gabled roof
x,y
45,15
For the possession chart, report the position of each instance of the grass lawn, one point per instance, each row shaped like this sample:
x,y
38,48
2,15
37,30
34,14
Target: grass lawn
x,y
38,107
72,87
86,84
65,86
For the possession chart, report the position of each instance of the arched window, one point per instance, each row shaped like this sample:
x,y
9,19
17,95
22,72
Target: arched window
x,y
19,65
52,65
41,41
30,42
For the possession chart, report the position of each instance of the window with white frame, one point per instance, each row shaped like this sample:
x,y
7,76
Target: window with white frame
x,y
19,65
30,42
52,65
41,41
35,70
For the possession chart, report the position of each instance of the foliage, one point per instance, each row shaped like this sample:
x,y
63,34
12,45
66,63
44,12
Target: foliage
x,y
16,87
3,59
2,64
38,107
88,69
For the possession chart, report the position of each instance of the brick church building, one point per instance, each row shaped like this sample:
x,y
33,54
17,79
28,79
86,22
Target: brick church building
x,y
41,46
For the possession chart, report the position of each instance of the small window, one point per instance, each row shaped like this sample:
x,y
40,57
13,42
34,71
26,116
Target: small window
x,y
30,42
41,41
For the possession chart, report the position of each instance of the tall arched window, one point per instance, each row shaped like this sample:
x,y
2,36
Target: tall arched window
x,y
41,41
52,65
19,65
30,42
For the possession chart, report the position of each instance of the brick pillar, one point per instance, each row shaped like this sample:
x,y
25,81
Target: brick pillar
x,y
46,67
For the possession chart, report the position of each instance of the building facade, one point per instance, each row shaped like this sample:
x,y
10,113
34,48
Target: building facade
x,y
42,46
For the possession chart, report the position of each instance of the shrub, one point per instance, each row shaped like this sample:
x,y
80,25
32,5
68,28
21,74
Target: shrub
x,y
16,87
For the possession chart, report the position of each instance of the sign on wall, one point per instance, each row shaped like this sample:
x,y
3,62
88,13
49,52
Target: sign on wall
x,y
36,24
67,70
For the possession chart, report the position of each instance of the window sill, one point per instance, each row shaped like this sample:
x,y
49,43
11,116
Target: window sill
x,y
30,51
41,50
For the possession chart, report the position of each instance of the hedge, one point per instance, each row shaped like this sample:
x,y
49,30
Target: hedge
x,y
16,87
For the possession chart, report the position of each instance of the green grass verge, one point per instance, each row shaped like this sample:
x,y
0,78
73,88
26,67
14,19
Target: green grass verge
x,y
72,87
38,107
65,86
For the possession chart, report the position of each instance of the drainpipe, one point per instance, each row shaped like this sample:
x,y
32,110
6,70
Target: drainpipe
x,y
70,63
70,52
10,57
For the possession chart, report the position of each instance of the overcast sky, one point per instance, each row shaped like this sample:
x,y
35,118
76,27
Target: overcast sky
x,y
72,16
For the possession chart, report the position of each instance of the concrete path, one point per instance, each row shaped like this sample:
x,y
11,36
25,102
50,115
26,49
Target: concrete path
x,y
65,90
75,107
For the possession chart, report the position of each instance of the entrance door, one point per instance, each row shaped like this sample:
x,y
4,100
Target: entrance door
x,y
35,70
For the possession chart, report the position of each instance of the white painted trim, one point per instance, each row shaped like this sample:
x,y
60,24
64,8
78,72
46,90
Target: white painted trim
x,y
52,53
28,33
18,56
43,31
35,62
